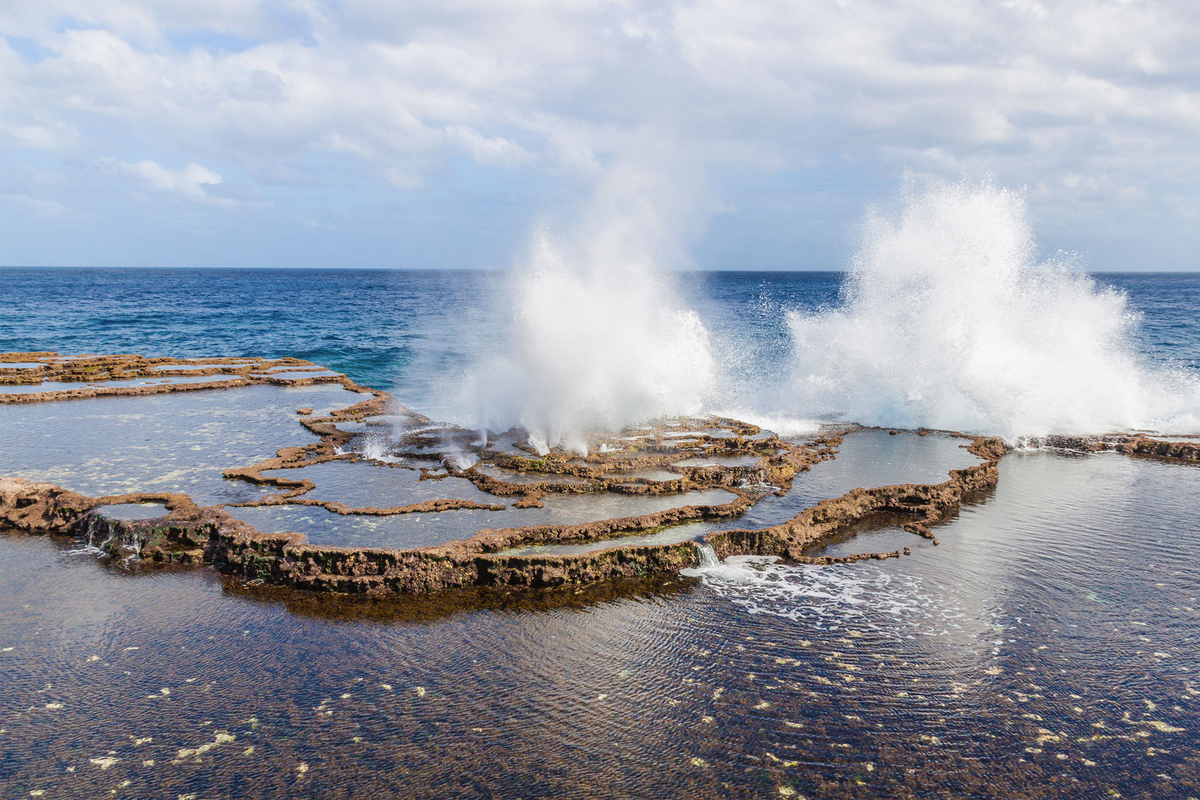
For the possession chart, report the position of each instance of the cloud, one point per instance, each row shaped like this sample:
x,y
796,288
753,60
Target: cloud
x,y
52,136
45,209
192,183
297,92
496,151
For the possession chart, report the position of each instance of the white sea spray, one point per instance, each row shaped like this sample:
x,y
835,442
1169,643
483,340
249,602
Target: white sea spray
x,y
600,338
949,320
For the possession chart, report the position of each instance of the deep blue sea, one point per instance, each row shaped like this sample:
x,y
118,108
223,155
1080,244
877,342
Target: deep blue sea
x,y
411,332
417,333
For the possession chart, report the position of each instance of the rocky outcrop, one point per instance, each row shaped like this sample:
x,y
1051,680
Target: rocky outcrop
x,y
1176,450
53,371
1183,448
919,505
191,535
748,463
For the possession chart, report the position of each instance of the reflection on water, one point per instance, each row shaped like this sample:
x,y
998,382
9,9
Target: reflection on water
x,y
297,374
866,458
426,529
131,511
872,458
159,443
1050,647
363,484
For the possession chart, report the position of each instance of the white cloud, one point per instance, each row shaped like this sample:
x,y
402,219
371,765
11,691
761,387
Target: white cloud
x,y
52,136
1032,92
46,209
190,183
496,151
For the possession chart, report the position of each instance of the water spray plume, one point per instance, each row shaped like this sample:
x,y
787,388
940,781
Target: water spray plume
x,y
600,340
948,320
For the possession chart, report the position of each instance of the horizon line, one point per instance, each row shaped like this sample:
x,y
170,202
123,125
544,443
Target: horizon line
x,y
495,269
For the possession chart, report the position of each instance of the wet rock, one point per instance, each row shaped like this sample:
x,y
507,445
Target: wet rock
x,y
191,535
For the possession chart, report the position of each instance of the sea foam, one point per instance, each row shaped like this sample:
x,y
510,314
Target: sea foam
x,y
949,320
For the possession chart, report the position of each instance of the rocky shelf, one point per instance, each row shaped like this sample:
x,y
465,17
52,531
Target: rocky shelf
x,y
734,457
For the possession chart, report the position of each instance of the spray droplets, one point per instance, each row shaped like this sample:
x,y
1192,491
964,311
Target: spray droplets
x,y
600,340
949,321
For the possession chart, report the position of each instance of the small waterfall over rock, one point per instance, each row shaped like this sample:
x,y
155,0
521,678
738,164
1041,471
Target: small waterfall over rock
x,y
708,557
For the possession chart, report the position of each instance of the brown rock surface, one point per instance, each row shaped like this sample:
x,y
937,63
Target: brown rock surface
x,y
189,534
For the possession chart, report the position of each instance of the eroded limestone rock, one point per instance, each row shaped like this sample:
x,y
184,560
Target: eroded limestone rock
x,y
745,461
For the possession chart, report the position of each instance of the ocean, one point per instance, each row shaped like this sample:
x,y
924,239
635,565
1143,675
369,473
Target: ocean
x,y
1047,646
418,334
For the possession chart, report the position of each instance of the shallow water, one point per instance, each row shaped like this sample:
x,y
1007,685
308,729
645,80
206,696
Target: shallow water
x,y
363,484
65,386
177,442
131,511
725,461
1059,612
656,475
292,374
425,529
866,458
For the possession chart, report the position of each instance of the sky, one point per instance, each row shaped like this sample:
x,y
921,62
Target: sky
x,y
303,133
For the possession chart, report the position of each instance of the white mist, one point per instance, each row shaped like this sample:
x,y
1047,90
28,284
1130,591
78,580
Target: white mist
x,y
948,320
600,339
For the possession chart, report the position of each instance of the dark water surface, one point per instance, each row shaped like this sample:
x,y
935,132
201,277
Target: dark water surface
x,y
1049,647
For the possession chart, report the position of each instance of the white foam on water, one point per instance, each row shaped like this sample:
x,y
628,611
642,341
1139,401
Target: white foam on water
x,y
786,426
85,549
462,460
834,597
949,320
375,447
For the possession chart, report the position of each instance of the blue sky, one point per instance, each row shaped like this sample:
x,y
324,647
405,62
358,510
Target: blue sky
x,y
360,134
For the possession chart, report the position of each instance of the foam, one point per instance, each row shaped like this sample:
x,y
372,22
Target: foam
x,y
860,596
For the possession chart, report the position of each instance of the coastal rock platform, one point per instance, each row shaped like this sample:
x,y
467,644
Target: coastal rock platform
x,y
453,482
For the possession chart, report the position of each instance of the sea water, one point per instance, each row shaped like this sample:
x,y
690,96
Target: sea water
x,y
419,334
1048,647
